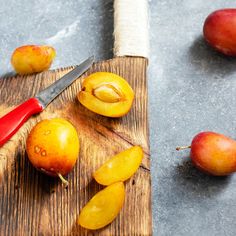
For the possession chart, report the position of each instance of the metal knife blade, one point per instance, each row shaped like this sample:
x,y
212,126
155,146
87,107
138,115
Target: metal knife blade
x,y
51,92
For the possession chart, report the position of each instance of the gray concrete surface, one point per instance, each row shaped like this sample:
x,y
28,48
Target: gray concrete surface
x,y
191,89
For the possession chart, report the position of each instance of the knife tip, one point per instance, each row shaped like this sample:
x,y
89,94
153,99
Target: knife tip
x,y
92,58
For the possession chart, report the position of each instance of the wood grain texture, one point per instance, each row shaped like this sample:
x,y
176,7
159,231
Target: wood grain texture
x,y
32,203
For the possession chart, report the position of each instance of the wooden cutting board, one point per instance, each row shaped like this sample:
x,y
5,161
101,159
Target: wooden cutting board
x,y
32,203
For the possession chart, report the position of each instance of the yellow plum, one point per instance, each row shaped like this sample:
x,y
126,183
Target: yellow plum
x,y
30,59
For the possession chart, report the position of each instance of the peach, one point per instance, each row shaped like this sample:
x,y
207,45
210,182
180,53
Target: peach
x,y
106,94
120,167
30,59
220,31
103,208
53,146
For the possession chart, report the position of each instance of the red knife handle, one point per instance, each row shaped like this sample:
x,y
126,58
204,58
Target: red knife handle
x,y
13,120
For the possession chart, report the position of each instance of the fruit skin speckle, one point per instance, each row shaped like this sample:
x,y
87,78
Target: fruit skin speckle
x,y
56,152
44,153
47,132
37,149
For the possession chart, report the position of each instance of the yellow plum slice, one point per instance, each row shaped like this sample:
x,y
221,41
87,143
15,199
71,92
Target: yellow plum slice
x,y
103,208
120,167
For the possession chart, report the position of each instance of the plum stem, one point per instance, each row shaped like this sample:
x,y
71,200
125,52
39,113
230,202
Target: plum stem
x,y
182,148
63,180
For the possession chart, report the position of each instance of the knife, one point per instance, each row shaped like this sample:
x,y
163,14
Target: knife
x,y
12,121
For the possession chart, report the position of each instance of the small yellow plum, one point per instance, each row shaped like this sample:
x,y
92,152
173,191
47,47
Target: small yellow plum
x,y
53,146
30,59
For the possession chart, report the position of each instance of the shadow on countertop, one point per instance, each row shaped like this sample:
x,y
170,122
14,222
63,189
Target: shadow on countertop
x,y
198,182
209,61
